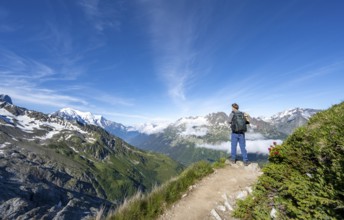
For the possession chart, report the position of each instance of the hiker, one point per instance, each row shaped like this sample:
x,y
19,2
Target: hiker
x,y
238,121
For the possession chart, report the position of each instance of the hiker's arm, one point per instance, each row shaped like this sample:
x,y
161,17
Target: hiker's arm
x,y
247,118
230,118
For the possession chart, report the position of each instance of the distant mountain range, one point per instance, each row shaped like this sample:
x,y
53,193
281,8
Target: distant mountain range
x,y
190,139
125,132
52,168
67,164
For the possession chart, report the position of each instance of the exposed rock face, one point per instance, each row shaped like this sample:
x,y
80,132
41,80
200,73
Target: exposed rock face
x,y
186,139
5,98
286,122
51,168
33,186
124,132
192,139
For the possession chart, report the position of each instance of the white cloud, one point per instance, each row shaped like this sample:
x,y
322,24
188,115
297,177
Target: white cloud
x,y
6,24
197,131
42,97
193,126
111,99
152,128
254,136
173,31
7,28
18,68
24,80
252,146
102,14
317,72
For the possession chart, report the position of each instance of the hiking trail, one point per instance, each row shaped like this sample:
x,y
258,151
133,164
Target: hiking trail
x,y
214,196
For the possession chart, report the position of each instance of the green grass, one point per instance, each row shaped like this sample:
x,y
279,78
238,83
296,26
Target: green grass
x,y
123,171
304,178
220,163
122,176
155,203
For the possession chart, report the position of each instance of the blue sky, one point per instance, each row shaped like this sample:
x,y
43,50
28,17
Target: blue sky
x,y
140,60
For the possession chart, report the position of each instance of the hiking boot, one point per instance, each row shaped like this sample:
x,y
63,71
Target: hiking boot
x,y
246,163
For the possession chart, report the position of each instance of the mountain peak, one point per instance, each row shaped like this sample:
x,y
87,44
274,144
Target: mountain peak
x,y
5,98
80,116
290,114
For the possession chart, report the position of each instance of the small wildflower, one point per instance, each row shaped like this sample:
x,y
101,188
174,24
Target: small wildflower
x,y
269,149
276,152
275,143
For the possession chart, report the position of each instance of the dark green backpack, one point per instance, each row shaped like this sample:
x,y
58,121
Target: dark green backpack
x,y
238,122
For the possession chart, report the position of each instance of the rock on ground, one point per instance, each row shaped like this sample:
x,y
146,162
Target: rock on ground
x,y
215,195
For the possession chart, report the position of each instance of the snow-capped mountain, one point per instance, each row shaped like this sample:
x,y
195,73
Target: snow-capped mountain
x,y
201,125
52,168
291,114
191,135
5,98
185,139
118,129
82,117
288,120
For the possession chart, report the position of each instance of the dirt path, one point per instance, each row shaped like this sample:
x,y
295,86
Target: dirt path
x,y
215,194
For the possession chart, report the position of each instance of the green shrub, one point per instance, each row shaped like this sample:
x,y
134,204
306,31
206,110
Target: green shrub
x,y
220,163
152,205
304,178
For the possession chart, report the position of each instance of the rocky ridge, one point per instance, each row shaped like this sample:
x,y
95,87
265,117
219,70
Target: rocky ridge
x,y
118,129
5,98
191,139
51,168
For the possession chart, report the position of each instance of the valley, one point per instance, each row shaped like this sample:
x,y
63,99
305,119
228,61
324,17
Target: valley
x,y
71,164
52,167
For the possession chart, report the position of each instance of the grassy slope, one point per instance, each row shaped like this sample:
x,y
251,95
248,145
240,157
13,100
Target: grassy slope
x,y
305,176
122,173
138,170
155,203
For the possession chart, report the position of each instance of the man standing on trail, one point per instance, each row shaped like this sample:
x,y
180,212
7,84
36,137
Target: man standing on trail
x,y
238,121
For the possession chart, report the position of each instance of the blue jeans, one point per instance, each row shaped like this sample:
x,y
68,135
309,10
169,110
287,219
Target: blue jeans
x,y
235,138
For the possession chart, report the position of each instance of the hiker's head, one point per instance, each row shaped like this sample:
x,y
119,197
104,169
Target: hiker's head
x,y
235,106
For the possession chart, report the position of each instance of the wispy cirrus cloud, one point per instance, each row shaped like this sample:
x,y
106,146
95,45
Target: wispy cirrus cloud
x,y
5,28
146,123
14,67
24,79
5,25
173,29
114,101
102,14
43,97
316,72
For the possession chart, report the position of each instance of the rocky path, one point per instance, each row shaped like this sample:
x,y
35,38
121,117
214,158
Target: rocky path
x,y
215,196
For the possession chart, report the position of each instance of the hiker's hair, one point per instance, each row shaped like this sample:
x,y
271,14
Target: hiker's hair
x,y
236,106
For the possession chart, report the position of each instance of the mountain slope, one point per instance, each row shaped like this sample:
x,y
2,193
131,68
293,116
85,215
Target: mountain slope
x,y
208,138
304,179
53,168
287,121
118,129
191,139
